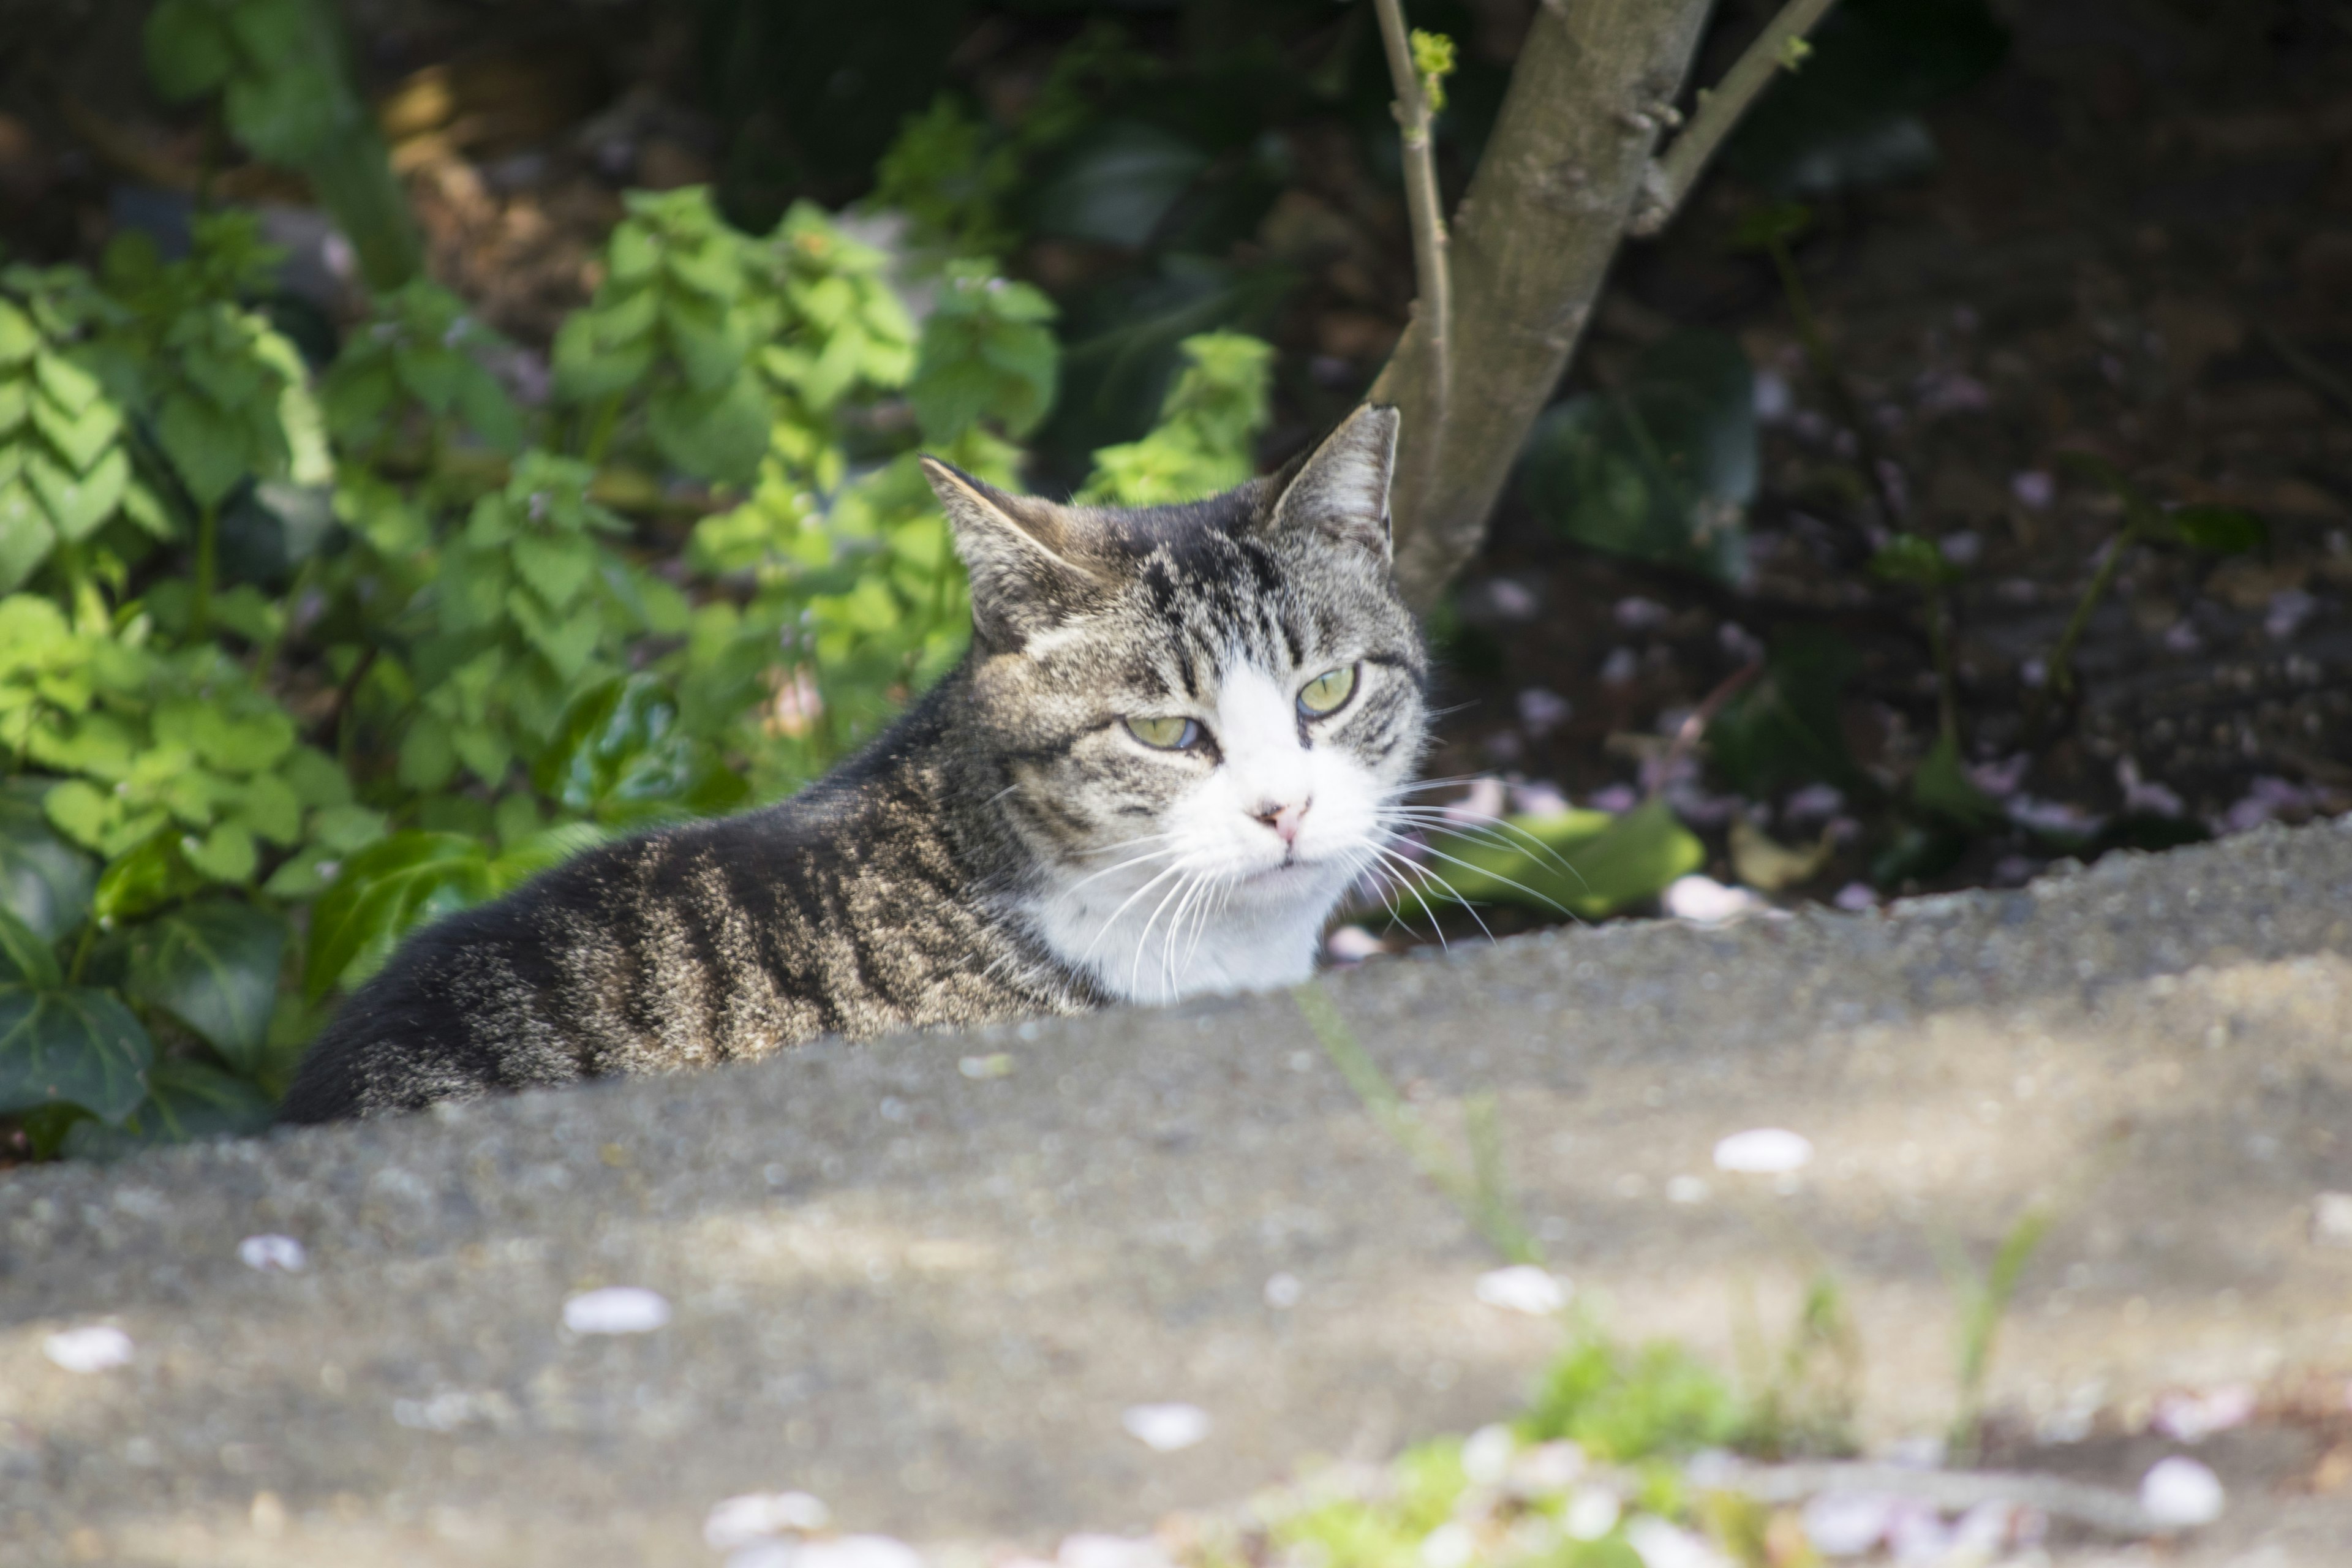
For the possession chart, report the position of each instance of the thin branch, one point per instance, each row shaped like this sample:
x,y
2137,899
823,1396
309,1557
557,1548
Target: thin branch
x,y
1669,179
1423,203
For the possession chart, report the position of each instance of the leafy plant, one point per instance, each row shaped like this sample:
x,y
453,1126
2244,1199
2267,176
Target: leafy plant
x,y
1206,431
278,68
674,325
2216,529
1662,469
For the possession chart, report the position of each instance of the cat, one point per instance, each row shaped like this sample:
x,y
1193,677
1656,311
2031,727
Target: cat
x,y
1170,750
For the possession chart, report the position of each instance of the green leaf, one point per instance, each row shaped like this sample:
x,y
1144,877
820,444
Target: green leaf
x,y
1941,786
382,891
186,1102
226,854
212,964
1662,469
78,1046
45,882
557,569
188,50
1580,862
718,435
79,811
26,957
1908,558
2223,530
147,876
1788,729
78,505
18,337
566,644
65,384
426,757
27,535
79,438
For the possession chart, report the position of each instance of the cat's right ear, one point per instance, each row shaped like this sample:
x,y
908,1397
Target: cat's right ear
x,y
1029,573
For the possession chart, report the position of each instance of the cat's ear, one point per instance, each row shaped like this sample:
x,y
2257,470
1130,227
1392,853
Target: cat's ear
x,y
1341,491
1027,556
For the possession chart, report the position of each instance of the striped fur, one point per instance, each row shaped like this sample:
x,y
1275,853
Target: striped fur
x,y
1008,848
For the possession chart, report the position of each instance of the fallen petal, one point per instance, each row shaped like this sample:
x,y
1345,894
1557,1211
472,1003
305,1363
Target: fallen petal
x,y
1591,1513
268,1252
93,1349
1166,1427
2179,1491
740,1520
1764,1152
617,1309
1847,1524
1523,1288
1661,1545
1706,900
857,1552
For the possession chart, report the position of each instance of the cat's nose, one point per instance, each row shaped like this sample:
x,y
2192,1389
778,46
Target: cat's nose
x,y
1283,819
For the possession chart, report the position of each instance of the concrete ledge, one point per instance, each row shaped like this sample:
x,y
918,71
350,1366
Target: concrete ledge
x,y
929,1296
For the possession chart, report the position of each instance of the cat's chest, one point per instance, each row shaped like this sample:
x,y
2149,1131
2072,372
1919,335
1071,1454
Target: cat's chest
x,y
1163,943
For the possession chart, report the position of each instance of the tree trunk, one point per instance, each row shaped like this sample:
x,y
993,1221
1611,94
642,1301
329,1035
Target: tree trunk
x,y
1559,182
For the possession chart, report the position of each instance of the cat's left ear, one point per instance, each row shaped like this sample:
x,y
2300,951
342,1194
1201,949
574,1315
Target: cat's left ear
x,y
1341,491
1027,557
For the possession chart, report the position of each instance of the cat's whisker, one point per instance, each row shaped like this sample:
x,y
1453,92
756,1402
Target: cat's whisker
x,y
1438,817
1456,893
1107,925
1457,860
1143,939
1407,888
1123,865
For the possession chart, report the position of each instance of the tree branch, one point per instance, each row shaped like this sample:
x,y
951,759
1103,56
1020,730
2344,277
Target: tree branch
x,y
1669,178
1434,310
1530,247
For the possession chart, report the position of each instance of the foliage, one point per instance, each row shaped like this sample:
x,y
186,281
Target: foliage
x,y
1206,430
285,93
291,662
1662,469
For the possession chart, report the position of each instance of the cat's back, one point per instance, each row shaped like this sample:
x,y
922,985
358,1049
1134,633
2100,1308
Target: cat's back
x,y
847,911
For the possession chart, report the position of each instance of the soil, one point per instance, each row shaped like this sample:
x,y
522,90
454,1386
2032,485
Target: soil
x,y
2139,245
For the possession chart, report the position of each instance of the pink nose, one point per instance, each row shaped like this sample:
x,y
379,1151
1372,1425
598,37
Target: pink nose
x,y
1283,819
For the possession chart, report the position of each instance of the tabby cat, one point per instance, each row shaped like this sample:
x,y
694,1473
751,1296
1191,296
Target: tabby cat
x,y
1169,751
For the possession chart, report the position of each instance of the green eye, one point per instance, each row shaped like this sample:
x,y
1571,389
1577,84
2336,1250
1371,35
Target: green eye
x,y
1164,734
1328,692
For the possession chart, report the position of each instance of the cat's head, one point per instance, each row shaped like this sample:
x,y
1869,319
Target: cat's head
x,y
1204,711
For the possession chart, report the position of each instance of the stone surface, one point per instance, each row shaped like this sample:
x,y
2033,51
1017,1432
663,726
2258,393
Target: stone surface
x,y
931,1298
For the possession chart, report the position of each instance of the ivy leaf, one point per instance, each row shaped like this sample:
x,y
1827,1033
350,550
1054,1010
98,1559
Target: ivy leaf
x,y
226,854
26,959
147,876
78,1046
186,1101
45,882
213,966
381,893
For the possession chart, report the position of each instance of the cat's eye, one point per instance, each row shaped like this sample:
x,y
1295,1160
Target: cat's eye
x,y
1328,692
1164,734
